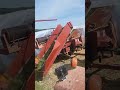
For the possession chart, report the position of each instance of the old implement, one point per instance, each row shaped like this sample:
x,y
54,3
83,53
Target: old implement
x,y
49,42
49,57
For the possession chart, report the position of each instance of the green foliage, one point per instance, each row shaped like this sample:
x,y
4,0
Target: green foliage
x,y
42,61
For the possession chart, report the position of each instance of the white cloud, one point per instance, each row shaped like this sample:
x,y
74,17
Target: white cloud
x,y
63,10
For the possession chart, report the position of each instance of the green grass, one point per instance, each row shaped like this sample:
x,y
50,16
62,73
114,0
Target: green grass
x,y
40,86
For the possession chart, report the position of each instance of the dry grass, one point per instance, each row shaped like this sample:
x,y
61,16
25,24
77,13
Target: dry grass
x,y
50,80
111,78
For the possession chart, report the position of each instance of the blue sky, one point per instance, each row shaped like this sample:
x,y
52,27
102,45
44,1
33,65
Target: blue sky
x,y
62,10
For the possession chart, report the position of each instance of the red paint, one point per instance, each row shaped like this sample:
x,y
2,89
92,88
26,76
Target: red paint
x,y
57,48
50,41
25,53
74,62
30,85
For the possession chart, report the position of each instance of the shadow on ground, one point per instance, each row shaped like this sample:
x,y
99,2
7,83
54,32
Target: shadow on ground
x,y
111,84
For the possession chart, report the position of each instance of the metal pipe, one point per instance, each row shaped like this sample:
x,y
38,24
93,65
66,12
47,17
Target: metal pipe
x,y
45,20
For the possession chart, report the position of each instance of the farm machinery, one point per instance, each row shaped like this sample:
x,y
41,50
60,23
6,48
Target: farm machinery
x,y
100,40
63,40
104,34
19,73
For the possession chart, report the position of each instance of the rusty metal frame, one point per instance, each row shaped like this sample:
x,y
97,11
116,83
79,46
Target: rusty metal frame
x,y
58,46
50,41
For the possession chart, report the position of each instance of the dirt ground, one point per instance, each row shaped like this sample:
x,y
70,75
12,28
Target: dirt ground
x,y
111,78
50,80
